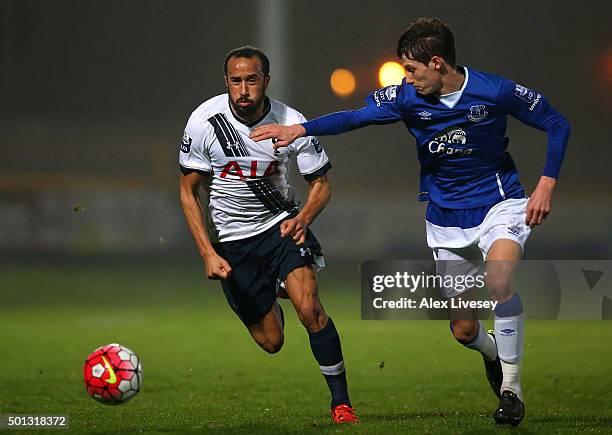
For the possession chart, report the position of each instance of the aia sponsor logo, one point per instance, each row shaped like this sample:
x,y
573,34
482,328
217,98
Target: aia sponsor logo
x,y
233,169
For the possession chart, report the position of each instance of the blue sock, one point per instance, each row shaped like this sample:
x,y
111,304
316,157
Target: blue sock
x,y
326,349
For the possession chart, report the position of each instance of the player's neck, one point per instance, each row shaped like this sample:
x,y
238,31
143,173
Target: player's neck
x,y
452,81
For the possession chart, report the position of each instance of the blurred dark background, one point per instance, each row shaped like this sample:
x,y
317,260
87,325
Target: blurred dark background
x,y
95,95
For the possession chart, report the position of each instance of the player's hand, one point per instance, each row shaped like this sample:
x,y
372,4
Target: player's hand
x,y
281,135
217,267
540,201
294,228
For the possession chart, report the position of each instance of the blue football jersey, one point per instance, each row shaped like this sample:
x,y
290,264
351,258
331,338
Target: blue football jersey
x,y
461,139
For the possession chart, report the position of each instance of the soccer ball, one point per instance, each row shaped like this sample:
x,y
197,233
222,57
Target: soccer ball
x,y
112,374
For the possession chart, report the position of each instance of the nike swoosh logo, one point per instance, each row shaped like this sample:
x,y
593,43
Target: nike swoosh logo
x,y
112,377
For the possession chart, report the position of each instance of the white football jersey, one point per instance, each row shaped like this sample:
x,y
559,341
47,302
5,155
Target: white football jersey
x,y
249,191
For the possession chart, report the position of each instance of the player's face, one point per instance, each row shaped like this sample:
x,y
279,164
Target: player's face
x,y
426,79
246,85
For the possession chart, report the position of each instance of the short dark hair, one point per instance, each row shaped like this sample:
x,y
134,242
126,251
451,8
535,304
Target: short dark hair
x,y
425,38
249,52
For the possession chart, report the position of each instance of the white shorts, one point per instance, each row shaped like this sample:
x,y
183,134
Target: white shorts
x,y
463,250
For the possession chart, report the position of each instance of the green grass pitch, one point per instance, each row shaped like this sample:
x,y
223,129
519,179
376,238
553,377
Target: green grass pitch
x,y
203,373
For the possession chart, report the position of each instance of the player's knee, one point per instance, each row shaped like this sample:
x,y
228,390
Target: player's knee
x,y
311,317
272,344
499,285
464,331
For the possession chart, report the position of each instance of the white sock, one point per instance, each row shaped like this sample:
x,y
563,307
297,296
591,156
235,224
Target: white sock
x,y
484,344
509,335
512,378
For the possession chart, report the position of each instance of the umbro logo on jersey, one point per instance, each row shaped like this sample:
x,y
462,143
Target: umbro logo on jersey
x,y
535,102
507,332
477,113
185,143
425,116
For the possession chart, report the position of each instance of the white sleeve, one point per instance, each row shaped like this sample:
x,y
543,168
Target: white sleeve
x,y
194,145
311,157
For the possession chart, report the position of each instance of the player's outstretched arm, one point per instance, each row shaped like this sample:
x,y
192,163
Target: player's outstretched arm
x,y
327,125
319,193
282,135
216,266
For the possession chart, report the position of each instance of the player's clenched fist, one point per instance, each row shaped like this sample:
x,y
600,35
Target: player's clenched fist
x,y
295,229
540,202
217,267
281,135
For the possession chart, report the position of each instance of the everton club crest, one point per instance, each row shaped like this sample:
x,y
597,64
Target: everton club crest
x,y
477,113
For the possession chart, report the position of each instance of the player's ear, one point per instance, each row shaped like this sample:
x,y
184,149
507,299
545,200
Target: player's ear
x,y
266,82
226,83
436,63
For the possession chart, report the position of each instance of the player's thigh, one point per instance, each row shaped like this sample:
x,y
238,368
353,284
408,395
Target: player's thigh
x,y
302,286
456,267
296,266
303,290
502,244
502,261
268,331
250,289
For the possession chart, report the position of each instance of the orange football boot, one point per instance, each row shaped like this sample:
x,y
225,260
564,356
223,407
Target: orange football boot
x,y
344,414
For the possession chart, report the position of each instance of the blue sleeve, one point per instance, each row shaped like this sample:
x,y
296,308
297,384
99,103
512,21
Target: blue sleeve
x,y
383,107
533,109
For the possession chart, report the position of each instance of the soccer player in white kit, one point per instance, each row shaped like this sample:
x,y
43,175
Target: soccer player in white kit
x,y
477,207
255,239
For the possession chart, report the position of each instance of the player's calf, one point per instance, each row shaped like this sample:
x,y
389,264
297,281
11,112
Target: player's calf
x,y
471,334
302,287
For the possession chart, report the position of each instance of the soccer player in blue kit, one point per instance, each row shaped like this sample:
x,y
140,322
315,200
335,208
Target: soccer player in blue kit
x,y
477,207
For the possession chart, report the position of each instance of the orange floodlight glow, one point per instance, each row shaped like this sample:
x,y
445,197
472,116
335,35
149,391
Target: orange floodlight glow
x,y
342,82
391,73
